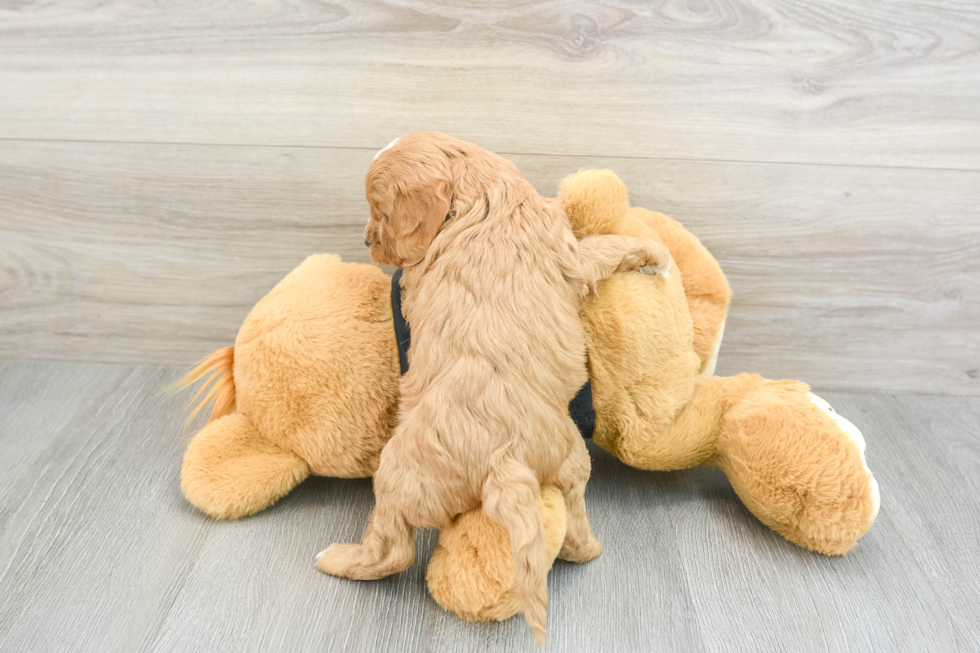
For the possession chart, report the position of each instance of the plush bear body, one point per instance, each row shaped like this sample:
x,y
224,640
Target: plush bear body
x,y
311,387
313,379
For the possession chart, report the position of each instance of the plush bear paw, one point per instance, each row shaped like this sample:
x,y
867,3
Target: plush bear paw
x,y
472,570
798,466
854,435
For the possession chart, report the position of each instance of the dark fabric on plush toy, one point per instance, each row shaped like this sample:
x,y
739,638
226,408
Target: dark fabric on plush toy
x,y
403,334
580,408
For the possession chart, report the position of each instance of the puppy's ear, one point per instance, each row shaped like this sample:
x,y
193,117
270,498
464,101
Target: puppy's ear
x,y
418,214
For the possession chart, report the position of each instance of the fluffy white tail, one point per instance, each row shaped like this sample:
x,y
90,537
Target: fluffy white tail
x,y
510,499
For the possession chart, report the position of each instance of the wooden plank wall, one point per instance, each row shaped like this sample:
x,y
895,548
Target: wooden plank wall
x,y
162,165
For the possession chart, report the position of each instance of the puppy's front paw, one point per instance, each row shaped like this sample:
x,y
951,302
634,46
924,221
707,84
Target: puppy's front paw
x,y
646,256
654,257
649,269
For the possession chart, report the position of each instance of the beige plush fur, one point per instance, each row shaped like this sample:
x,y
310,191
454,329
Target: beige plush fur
x,y
314,379
787,458
472,570
598,204
493,283
797,465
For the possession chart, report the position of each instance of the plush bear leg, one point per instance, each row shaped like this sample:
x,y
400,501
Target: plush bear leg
x,y
472,569
796,464
231,471
672,421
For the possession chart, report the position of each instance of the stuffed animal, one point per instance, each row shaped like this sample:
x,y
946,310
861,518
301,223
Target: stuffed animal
x,y
311,387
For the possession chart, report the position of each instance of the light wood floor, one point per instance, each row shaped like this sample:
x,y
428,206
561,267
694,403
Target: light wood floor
x,y
164,164
100,552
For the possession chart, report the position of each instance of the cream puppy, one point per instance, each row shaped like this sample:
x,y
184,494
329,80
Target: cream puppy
x,y
493,283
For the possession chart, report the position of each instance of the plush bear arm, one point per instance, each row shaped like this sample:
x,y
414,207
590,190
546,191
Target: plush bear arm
x,y
596,202
705,285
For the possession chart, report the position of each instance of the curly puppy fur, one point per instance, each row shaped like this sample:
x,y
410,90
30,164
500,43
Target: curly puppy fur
x,y
493,283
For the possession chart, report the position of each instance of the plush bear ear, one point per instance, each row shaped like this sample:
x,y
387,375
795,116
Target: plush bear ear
x,y
596,202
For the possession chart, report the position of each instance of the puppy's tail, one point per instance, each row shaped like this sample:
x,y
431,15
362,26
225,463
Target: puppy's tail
x,y
219,366
509,498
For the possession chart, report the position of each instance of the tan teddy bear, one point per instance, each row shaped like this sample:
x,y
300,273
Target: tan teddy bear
x,y
311,387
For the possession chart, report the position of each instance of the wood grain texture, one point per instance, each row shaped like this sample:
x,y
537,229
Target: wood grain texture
x,y
819,81
849,278
99,551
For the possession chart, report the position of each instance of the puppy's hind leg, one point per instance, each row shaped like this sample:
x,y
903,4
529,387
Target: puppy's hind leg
x,y
601,256
580,544
388,547
510,499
